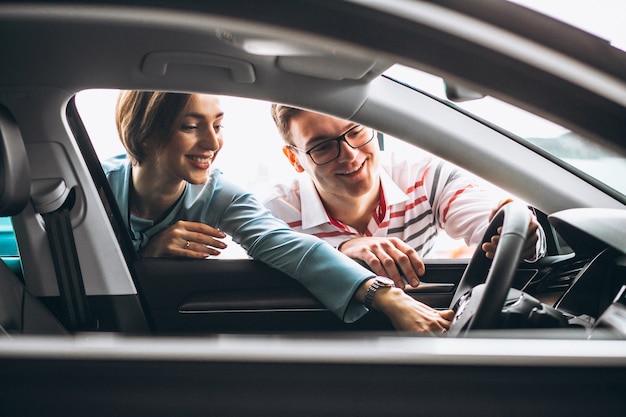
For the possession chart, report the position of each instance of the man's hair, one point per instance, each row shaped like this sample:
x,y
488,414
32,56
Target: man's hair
x,y
282,116
142,116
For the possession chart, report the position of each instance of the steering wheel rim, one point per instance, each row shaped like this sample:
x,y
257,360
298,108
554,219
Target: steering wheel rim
x,y
477,306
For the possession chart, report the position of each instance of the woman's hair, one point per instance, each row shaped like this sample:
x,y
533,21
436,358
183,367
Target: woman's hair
x,y
282,116
143,116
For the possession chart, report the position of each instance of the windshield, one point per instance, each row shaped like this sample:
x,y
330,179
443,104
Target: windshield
x,y
602,18
580,154
589,159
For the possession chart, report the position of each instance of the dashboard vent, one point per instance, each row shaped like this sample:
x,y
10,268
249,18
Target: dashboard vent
x,y
564,278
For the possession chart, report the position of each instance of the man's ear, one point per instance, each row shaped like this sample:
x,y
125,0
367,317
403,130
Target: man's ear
x,y
293,158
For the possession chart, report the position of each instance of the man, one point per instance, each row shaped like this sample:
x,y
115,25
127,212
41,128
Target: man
x,y
386,213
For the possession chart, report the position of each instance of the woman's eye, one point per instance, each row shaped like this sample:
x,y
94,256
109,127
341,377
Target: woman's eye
x,y
218,128
189,128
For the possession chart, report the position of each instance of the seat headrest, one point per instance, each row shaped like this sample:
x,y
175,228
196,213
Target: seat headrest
x,y
14,167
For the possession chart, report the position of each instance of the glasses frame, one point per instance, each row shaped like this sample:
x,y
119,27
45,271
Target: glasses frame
x,y
338,139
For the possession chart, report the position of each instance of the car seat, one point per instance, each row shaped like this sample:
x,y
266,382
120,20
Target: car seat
x,y
20,311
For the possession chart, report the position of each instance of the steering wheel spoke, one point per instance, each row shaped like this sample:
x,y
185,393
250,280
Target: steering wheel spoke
x,y
483,288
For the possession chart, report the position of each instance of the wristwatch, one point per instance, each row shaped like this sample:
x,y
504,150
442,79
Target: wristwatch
x,y
378,282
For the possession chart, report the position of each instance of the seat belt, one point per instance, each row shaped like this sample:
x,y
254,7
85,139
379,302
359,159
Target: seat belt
x,y
54,201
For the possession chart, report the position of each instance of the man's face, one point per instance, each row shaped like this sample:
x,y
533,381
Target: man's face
x,y
354,174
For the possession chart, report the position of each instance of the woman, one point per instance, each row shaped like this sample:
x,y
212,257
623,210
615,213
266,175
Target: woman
x,y
175,205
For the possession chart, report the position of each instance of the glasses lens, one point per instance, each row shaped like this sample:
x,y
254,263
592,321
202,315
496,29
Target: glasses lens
x,y
359,136
329,150
325,152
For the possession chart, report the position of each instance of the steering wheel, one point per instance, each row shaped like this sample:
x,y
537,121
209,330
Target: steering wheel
x,y
478,305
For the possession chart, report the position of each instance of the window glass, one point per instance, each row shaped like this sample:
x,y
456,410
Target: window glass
x,y
9,252
598,17
8,244
571,149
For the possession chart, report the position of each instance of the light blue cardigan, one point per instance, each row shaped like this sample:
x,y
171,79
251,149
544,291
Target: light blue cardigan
x,y
330,276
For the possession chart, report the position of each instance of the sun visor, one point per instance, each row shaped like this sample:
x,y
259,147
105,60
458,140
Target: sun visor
x,y
308,59
331,67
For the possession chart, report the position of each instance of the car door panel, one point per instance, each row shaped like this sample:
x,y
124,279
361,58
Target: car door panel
x,y
208,296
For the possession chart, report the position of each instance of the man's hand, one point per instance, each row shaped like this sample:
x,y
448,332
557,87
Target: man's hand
x,y
185,239
386,256
532,236
408,314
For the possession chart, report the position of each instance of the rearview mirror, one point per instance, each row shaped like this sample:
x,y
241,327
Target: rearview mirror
x,y
458,93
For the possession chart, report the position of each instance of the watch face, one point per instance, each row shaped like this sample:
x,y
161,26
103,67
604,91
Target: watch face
x,y
388,282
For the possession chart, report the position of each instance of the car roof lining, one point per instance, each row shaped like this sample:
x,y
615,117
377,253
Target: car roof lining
x,y
219,37
222,58
504,77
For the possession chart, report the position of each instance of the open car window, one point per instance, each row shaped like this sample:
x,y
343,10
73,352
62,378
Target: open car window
x,y
256,164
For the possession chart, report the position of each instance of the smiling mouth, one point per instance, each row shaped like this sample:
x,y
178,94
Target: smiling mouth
x,y
202,160
354,171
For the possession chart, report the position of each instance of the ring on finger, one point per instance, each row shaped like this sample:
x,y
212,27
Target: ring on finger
x,y
187,244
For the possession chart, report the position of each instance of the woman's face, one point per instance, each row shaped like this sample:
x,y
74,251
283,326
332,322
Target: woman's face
x,y
196,140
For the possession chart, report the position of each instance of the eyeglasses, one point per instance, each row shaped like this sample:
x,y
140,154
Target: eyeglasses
x,y
329,150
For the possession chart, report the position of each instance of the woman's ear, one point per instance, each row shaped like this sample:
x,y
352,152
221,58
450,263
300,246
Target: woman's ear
x,y
293,158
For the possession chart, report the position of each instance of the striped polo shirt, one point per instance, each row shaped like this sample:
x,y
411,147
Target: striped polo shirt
x,y
419,199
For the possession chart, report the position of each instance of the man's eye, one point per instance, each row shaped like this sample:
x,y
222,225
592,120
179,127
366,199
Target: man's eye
x,y
324,147
355,132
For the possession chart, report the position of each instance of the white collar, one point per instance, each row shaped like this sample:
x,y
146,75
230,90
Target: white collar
x,y
313,211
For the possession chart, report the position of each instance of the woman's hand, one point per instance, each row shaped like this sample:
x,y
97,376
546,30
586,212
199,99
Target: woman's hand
x,y
408,314
185,240
386,256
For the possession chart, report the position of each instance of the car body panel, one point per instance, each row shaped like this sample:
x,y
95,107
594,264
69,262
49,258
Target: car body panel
x,y
279,376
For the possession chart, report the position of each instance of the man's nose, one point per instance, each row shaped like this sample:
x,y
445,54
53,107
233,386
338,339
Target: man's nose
x,y
346,152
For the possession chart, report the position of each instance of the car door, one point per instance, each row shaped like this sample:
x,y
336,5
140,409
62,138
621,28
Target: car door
x,y
238,294
244,295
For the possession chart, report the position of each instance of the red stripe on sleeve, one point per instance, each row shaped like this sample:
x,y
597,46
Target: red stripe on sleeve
x,y
454,197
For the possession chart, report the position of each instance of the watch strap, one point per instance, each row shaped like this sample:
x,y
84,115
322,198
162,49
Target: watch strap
x,y
378,282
